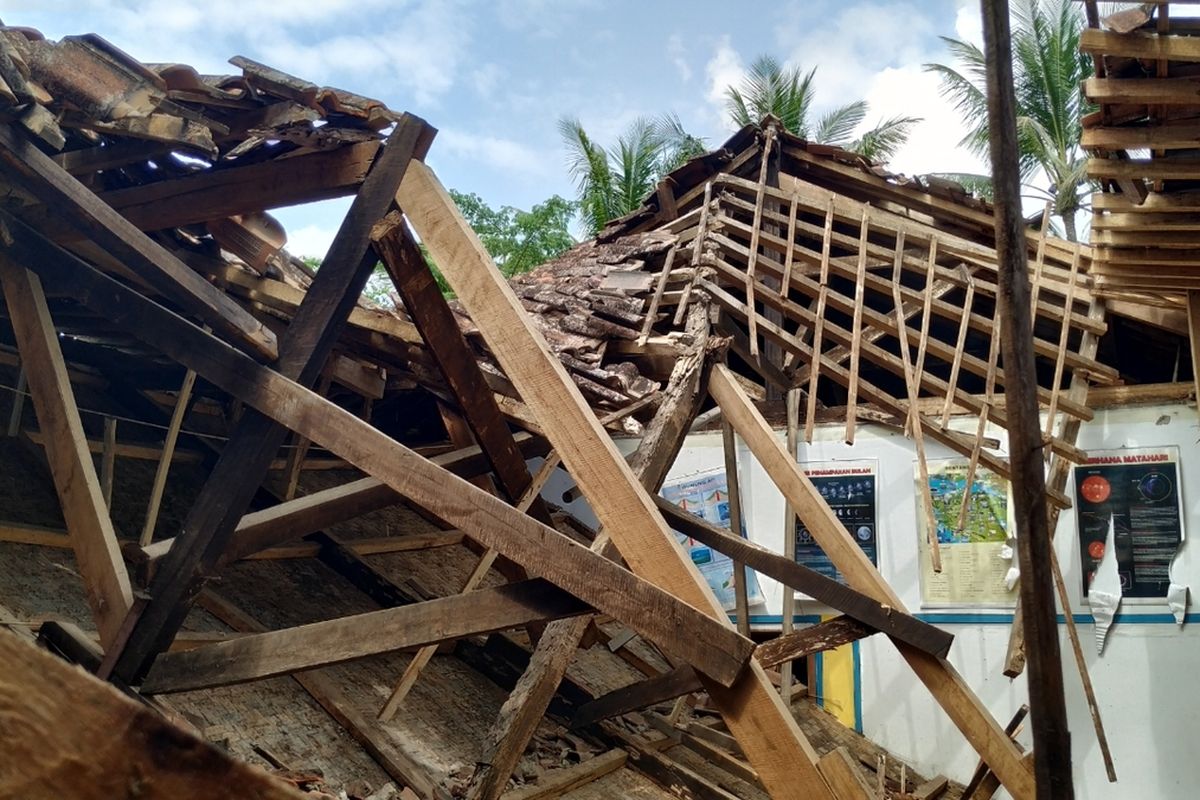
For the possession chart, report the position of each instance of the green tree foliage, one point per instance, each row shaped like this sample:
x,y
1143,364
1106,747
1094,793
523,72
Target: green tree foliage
x,y
517,240
614,181
1048,73
789,93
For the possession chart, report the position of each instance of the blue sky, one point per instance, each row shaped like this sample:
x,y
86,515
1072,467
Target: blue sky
x,y
494,77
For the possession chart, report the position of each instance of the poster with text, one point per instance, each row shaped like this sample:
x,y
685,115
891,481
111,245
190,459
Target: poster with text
x,y
973,562
1137,489
707,496
849,487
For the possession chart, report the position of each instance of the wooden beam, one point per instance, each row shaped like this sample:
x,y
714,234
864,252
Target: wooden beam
x,y
558,782
337,641
256,438
1193,318
97,552
1144,91
182,403
297,518
943,681
769,735
845,775
676,683
836,595
1051,735
57,714
73,202
814,639
14,417
1139,45
380,744
527,703
611,589
427,307
734,488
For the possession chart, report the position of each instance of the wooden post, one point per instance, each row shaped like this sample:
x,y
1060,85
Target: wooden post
x,y
1051,736
97,553
772,740
108,460
734,487
256,439
787,623
14,419
168,452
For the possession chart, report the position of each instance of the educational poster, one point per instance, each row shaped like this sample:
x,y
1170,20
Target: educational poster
x,y
849,487
707,496
1138,491
975,558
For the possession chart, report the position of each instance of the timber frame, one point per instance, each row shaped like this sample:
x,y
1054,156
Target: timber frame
x,y
770,266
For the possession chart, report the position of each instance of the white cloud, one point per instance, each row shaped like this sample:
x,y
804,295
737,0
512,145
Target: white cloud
x,y
723,70
678,53
968,23
933,144
310,240
502,155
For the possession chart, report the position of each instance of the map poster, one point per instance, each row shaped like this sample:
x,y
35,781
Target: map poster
x,y
707,496
973,563
1138,490
849,487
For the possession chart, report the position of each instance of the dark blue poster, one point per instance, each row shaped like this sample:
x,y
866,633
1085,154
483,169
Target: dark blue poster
x,y
849,489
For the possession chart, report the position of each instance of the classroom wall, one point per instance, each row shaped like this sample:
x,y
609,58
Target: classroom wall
x,y
1150,707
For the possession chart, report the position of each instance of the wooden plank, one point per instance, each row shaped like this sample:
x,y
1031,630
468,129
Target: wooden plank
x,y
1143,91
97,552
756,232
1139,45
845,776
1165,136
527,703
651,611
676,683
350,638
1193,317
74,203
379,743
413,670
810,415
558,782
164,463
32,534
770,736
814,639
14,417
57,714
856,325
368,547
836,595
1051,734
734,488
313,512
787,623
1152,169
108,456
943,681
247,456
931,789
427,307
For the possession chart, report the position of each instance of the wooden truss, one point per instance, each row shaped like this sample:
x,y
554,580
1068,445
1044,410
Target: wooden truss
x,y
873,302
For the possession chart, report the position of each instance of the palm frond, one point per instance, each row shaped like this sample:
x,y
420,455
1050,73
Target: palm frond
x,y
594,180
838,125
678,146
879,144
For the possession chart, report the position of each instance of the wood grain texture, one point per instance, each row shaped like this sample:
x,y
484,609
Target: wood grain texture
x,y
770,736
814,639
651,611
336,641
67,734
73,202
97,552
954,695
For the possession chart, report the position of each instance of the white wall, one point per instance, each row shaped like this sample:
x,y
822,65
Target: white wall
x,y
1150,707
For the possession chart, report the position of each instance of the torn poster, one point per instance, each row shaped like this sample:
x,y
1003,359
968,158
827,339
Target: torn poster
x,y
1177,601
707,496
1105,595
1138,489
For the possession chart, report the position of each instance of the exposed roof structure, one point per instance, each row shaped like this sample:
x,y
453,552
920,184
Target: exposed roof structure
x,y
357,490
1142,140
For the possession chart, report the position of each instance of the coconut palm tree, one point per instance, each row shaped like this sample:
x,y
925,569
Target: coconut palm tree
x,y
1048,73
613,182
788,93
